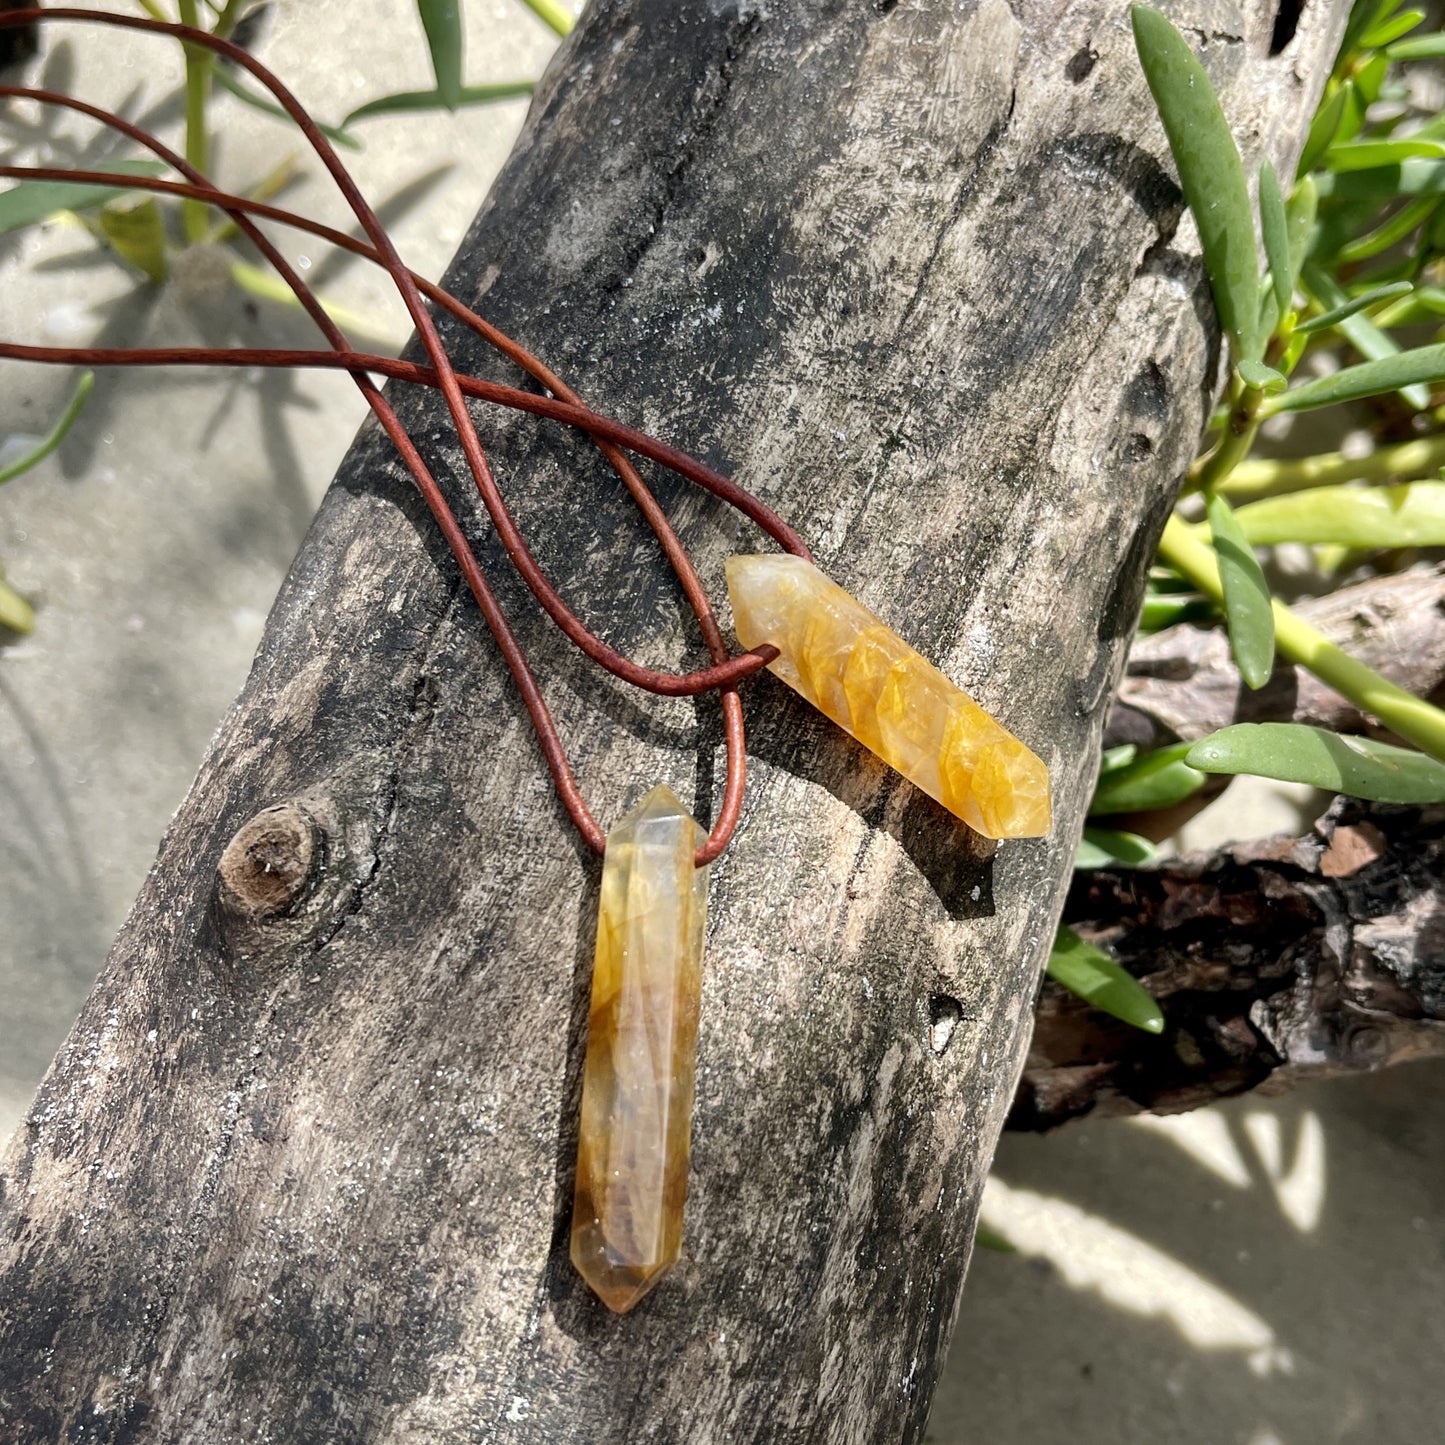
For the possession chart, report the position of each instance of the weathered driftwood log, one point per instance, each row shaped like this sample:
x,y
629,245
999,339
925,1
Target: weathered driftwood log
x,y
1275,961
1182,683
302,1170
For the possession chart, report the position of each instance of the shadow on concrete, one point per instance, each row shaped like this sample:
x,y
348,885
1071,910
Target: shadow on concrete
x,y
1349,1330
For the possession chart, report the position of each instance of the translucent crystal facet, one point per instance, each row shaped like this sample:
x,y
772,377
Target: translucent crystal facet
x,y
637,1080
870,682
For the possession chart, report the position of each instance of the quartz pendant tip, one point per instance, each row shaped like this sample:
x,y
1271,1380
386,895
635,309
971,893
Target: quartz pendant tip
x,y
861,674
637,1077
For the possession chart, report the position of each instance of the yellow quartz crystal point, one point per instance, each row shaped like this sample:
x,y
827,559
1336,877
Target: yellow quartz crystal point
x,y
871,683
637,1080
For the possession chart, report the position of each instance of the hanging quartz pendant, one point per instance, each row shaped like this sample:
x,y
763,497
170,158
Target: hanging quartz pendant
x,y
637,1080
871,683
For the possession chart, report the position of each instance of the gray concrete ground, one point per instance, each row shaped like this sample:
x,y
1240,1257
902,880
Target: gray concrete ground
x,y
1267,1272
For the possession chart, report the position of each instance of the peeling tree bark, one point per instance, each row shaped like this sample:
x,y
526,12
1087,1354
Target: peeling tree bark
x,y
1282,960
302,1170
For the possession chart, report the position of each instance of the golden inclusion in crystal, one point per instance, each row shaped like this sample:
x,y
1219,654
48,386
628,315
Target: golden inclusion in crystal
x,y
637,1080
871,683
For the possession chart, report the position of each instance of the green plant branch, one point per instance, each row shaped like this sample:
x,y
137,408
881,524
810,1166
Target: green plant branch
x,y
194,218
1409,717
227,18
1267,478
552,14
1213,469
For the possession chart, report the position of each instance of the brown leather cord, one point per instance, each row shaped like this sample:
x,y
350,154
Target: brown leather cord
x,y
609,436
595,424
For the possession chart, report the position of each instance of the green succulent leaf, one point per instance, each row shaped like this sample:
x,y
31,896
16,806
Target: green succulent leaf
x,y
1115,758
1428,301
1165,611
1090,974
1261,377
1368,81
1355,304
16,614
1159,779
1300,212
1418,369
1360,331
1247,608
1101,847
992,1240
1291,752
28,202
1210,171
1411,514
1363,18
1422,47
1384,31
1417,177
409,100
137,234
1391,231
1365,155
442,21
1323,130
1274,224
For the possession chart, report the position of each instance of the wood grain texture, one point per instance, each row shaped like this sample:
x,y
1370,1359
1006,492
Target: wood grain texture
x,y
916,274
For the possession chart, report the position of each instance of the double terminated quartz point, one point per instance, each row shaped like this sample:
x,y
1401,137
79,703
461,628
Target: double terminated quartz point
x,y
637,1080
895,702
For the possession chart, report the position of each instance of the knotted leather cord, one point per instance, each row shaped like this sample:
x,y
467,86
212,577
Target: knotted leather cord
x,y
608,435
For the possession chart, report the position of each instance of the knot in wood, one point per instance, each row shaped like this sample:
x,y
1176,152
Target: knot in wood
x,y
267,867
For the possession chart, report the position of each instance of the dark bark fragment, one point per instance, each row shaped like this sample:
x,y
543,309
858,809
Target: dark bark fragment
x,y
1281,960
